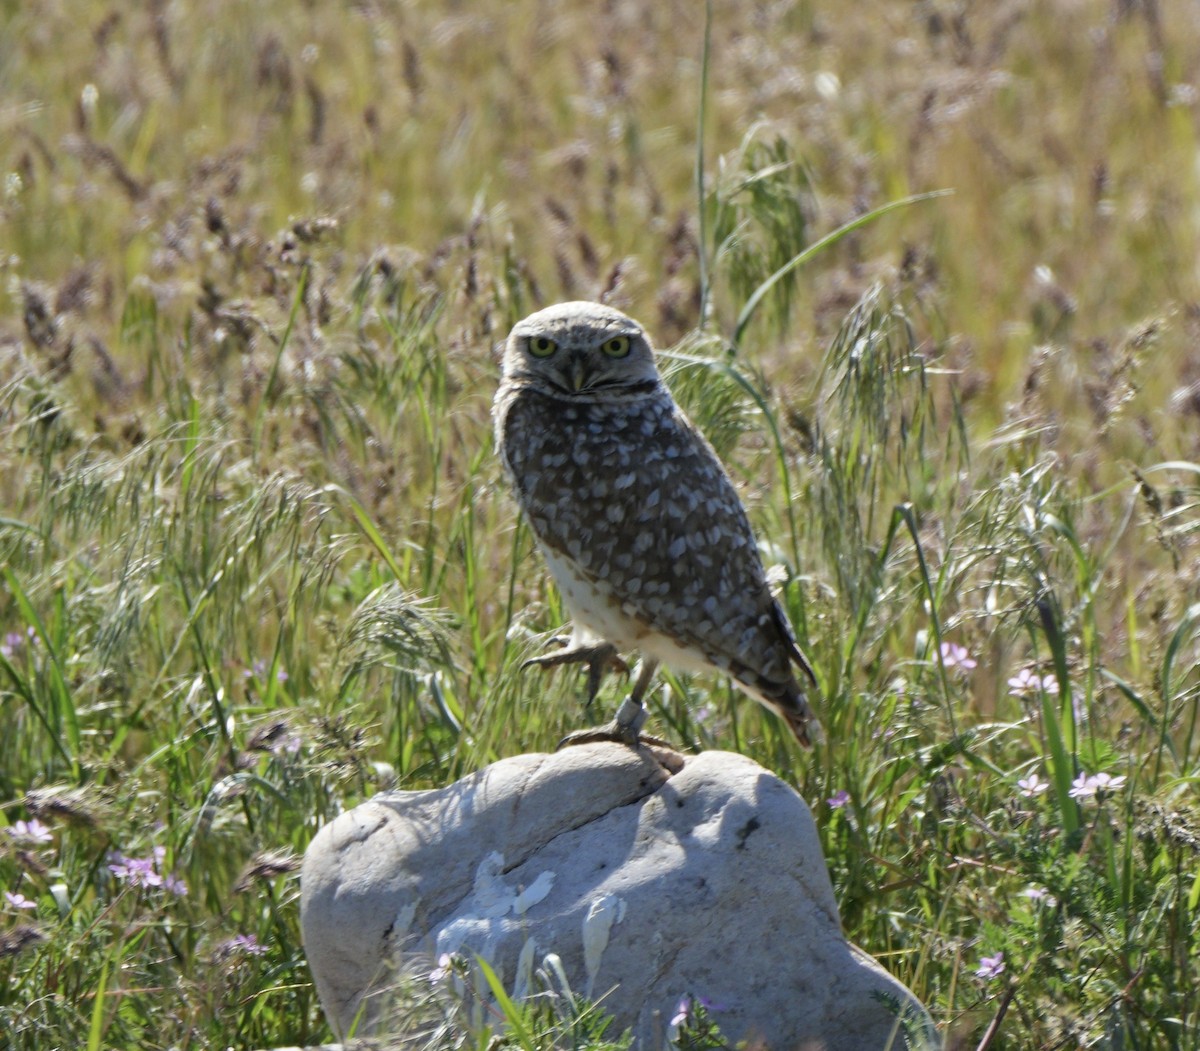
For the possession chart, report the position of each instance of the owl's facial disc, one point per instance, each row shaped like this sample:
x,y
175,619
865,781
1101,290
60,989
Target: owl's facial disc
x,y
581,349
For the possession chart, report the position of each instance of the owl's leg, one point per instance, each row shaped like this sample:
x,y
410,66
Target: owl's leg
x,y
631,716
599,657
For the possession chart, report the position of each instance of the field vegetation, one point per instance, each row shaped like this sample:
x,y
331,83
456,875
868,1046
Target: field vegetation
x,y
258,562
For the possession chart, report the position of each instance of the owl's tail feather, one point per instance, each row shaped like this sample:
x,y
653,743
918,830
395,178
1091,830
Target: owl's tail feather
x,y
800,718
787,699
795,653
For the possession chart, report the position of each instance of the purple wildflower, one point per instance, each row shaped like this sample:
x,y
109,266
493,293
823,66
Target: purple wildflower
x,y
1028,680
990,967
1024,681
839,799
956,656
1040,895
1032,786
258,670
1098,786
32,830
1106,784
443,970
19,901
682,1010
137,872
146,872
1082,787
245,944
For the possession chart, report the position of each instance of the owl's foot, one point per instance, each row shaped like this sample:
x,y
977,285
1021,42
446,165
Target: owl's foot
x,y
624,729
599,658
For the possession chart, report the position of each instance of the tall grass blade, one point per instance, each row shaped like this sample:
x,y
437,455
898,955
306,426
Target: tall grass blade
x,y
701,192
371,531
268,393
513,1014
1185,632
96,1028
752,304
1062,763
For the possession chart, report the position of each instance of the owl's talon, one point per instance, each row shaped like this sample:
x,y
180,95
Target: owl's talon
x,y
609,732
612,733
624,729
599,658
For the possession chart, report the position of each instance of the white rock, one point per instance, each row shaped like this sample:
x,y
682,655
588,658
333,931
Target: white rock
x,y
651,875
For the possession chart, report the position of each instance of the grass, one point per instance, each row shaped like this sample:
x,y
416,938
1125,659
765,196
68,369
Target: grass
x,y
258,561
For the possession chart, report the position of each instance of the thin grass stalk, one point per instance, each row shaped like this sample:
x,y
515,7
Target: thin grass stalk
x,y
61,713
907,516
268,394
701,190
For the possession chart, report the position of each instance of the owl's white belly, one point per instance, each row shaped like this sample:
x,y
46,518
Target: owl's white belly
x,y
598,615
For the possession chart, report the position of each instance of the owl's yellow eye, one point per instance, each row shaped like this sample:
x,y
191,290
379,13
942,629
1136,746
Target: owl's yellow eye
x,y
542,346
617,347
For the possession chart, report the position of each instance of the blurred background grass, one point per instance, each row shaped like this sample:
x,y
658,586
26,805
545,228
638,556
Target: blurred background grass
x,y
258,563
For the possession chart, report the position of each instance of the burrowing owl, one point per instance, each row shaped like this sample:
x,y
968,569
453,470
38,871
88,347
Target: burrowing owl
x,y
638,521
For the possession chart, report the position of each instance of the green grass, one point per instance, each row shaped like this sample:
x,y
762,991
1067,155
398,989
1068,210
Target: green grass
x,y
257,557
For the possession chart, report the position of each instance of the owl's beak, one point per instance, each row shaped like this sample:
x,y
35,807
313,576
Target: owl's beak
x,y
577,374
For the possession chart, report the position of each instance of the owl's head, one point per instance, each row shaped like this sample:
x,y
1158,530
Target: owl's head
x,y
574,350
